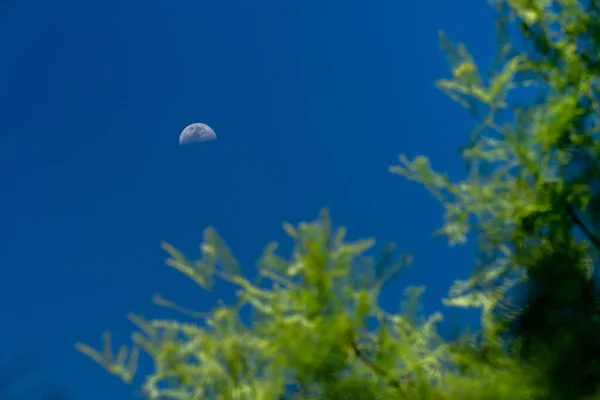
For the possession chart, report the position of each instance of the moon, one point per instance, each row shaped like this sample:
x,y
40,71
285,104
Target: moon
x,y
195,133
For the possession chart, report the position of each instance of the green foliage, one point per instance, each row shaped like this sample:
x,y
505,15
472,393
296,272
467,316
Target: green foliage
x,y
522,195
316,329
309,326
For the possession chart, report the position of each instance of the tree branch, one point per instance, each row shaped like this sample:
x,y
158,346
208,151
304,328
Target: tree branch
x,y
591,237
375,368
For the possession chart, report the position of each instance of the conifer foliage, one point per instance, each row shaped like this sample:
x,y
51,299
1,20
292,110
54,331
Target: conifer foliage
x,y
529,198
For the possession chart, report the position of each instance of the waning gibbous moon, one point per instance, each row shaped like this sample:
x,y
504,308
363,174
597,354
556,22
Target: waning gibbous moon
x,y
195,133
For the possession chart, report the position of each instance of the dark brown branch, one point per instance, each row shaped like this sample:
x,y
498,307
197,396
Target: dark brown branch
x,y
591,237
375,368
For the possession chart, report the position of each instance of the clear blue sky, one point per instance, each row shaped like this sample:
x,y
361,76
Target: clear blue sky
x,y
311,100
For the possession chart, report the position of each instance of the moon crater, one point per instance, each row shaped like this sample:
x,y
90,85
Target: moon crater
x,y
196,133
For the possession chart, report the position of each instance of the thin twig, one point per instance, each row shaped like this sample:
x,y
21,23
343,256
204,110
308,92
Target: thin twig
x,y
375,368
592,238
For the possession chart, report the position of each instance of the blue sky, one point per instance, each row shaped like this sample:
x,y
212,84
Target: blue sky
x,y
311,101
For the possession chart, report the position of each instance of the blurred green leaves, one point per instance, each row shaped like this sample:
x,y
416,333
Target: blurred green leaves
x,y
308,326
